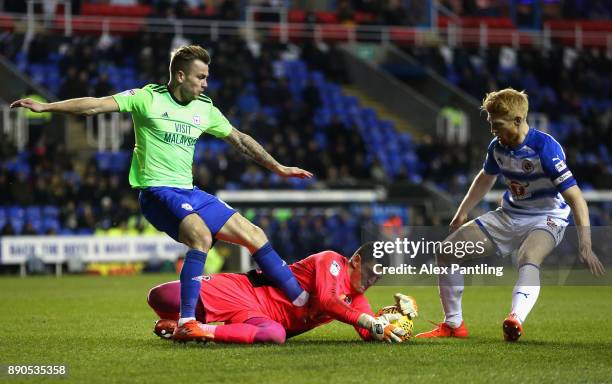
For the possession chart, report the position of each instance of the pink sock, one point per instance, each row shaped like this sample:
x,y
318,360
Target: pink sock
x,y
235,333
254,330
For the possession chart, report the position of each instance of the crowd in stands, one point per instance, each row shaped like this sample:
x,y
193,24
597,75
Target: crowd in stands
x,y
250,90
389,12
241,85
363,12
572,89
551,9
51,198
257,92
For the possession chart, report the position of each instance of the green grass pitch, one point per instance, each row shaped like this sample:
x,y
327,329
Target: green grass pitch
x,y
101,328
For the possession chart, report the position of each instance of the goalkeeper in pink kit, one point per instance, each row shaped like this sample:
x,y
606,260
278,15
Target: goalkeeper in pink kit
x,y
253,310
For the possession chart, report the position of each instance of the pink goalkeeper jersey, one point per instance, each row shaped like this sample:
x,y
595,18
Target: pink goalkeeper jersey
x,y
235,298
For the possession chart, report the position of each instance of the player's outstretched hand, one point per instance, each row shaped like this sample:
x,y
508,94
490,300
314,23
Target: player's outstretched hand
x,y
588,257
28,103
293,172
407,305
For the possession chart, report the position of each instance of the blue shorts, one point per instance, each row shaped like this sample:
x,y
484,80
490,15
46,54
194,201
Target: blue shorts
x,y
166,207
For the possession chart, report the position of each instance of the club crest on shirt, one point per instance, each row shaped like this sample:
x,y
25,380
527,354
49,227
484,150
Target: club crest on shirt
x,y
334,268
527,166
196,119
347,299
187,207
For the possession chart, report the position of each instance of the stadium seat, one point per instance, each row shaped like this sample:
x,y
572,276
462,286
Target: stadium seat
x,y
17,224
50,224
50,212
116,10
16,212
119,161
36,225
103,160
33,212
296,16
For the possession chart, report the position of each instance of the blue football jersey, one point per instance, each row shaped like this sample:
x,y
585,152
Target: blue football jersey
x,y
535,173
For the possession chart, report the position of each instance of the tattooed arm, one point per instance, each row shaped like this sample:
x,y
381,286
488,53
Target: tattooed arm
x,y
246,145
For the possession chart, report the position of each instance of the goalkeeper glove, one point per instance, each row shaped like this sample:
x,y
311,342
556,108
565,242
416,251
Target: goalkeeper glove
x,y
381,328
407,305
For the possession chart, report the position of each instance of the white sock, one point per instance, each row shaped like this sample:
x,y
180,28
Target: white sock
x,y
302,299
183,320
526,291
451,290
209,328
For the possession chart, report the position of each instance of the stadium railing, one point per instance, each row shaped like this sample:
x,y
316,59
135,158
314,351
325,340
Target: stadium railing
x,y
314,203
481,32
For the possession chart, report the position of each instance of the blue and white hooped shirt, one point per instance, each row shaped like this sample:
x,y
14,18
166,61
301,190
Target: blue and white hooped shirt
x,y
535,173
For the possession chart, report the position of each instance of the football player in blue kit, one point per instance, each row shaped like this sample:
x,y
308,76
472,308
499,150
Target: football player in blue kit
x,y
541,193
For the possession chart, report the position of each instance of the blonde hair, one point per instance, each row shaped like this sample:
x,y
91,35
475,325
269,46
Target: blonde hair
x,y
183,56
506,102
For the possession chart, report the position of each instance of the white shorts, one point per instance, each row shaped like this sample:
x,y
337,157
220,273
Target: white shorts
x,y
507,230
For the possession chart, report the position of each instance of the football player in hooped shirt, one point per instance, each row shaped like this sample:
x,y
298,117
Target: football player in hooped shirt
x,y
255,311
168,120
532,218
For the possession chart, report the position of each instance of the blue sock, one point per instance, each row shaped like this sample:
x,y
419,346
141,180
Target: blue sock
x,y
276,269
190,288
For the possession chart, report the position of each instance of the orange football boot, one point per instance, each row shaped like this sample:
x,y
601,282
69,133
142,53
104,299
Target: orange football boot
x,y
190,331
164,328
512,328
444,330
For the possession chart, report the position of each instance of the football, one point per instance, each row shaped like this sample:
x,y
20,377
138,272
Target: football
x,y
404,322
164,328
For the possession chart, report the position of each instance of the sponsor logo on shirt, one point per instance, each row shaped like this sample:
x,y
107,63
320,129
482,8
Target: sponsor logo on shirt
x,y
562,178
334,269
187,207
518,189
175,138
196,119
527,166
165,115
